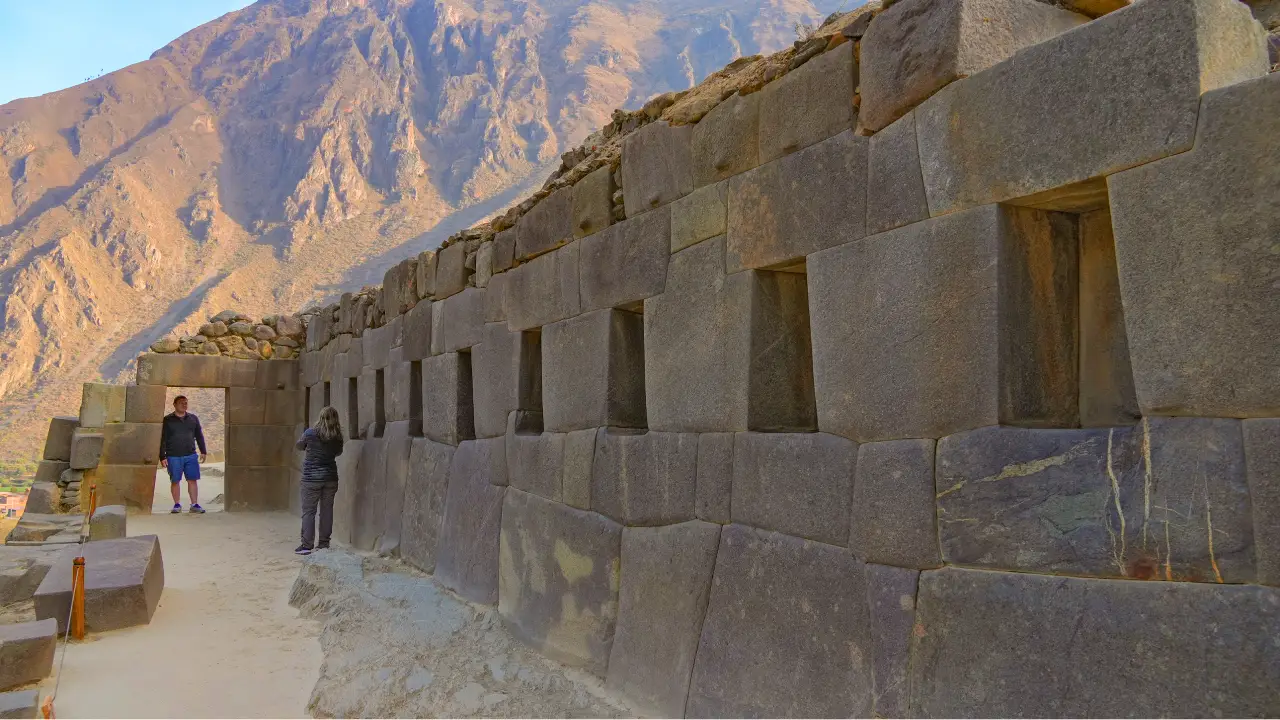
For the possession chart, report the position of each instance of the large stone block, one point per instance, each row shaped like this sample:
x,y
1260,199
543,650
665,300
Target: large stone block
x,y
285,407
915,48
57,441
108,523
657,166
506,372
424,501
43,498
417,331
796,205
894,520
257,489
86,449
579,468
123,580
377,344
145,403
370,411
558,579
535,461
544,289
451,271
627,262
1262,455
666,579
22,569
504,250
1196,244
787,631
245,406
130,485
547,225
370,494
891,599
495,299
645,478
593,202
101,403
457,322
593,370
132,443
986,139
949,324
808,104
1014,644
895,187
700,215
800,484
50,470
397,447
185,370
425,283
26,652
715,477
726,141
1107,395
20,704
344,503
447,415
399,287
1167,499
467,556
260,445
398,387
276,375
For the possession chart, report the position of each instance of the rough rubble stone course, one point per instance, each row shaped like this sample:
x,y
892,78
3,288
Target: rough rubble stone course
x,y
665,583
593,371
1014,642
727,141
547,225
786,633
1262,457
26,652
808,104
627,262
645,478
894,520
657,166
558,579
800,484
123,580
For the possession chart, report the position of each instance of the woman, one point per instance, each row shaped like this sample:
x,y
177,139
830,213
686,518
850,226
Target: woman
x,y
323,444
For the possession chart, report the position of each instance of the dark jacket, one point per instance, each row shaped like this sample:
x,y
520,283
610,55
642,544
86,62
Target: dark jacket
x,y
179,436
320,464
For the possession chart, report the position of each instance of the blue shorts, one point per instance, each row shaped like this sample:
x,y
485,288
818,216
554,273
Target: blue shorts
x,y
184,464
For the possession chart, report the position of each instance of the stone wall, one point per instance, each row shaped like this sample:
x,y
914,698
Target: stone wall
x,y
239,336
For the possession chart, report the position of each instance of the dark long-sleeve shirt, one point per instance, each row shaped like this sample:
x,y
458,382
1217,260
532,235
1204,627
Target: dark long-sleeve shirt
x,y
180,435
320,463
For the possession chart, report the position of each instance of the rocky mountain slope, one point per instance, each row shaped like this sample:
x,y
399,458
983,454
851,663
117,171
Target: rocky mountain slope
x,y
276,156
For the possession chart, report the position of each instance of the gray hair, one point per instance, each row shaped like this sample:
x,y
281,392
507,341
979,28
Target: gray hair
x,y
329,427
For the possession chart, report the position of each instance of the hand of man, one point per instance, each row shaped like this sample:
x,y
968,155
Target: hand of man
x,y
202,457
164,462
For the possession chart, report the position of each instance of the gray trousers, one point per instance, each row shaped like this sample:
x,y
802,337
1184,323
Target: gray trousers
x,y
317,494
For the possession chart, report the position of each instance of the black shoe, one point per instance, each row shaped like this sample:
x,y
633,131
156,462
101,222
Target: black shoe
x,y
302,550
322,546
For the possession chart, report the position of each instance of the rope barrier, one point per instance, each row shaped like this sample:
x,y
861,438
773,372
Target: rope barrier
x,y
75,613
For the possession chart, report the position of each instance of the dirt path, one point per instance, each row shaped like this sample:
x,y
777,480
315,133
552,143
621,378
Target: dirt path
x,y
224,641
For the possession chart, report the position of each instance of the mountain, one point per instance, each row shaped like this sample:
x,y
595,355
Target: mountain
x,y
292,150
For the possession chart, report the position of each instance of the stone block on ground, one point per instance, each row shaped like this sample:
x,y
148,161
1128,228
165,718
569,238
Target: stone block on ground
x,y
715,477
424,501
447,410
1262,457
467,553
26,652
22,569
657,166
1183,649
645,477
800,484
57,442
257,489
451,271
726,141
145,403
101,403
665,582
123,580
42,497
397,446
20,704
547,225
506,371
1107,115
535,460
130,485
108,523
593,202
786,633
457,322
895,187
132,443
185,370
894,520
808,104
51,470
558,579
1195,240
544,289
35,527
593,369
700,215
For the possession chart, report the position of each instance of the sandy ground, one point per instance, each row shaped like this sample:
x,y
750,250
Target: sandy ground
x,y
209,489
224,641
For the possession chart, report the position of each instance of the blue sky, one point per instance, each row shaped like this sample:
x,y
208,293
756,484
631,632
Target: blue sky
x,y
47,45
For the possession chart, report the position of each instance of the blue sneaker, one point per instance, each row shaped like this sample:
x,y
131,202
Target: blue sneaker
x,y
197,509
177,508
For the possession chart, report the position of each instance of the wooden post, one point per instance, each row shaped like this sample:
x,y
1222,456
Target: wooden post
x,y
77,599
93,499
47,708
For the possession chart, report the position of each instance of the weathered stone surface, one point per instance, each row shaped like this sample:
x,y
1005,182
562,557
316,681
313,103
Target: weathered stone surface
x,y
370,494
277,375
132,443
894,520
258,489
593,202
145,403
399,387
1167,499
504,250
926,330
1200,304
645,478
558,579
123,580
726,141
129,485
57,442
457,322
20,704
284,407
593,371
424,501
1107,395
1203,650
797,483
808,104
506,369
666,579
26,652
50,470
184,370
484,264
108,523
535,461
426,274
245,406
396,449
544,290
22,569
786,633
417,331
579,463
985,140
780,385
378,342
399,287
891,599
43,498
495,298
715,477
467,556
100,404
259,445
627,262
369,409
895,187
447,415
451,271
794,206
344,503
700,215
1262,454
86,449
319,330
915,48
657,166
546,226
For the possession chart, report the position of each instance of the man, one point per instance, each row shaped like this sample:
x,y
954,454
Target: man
x,y
179,434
